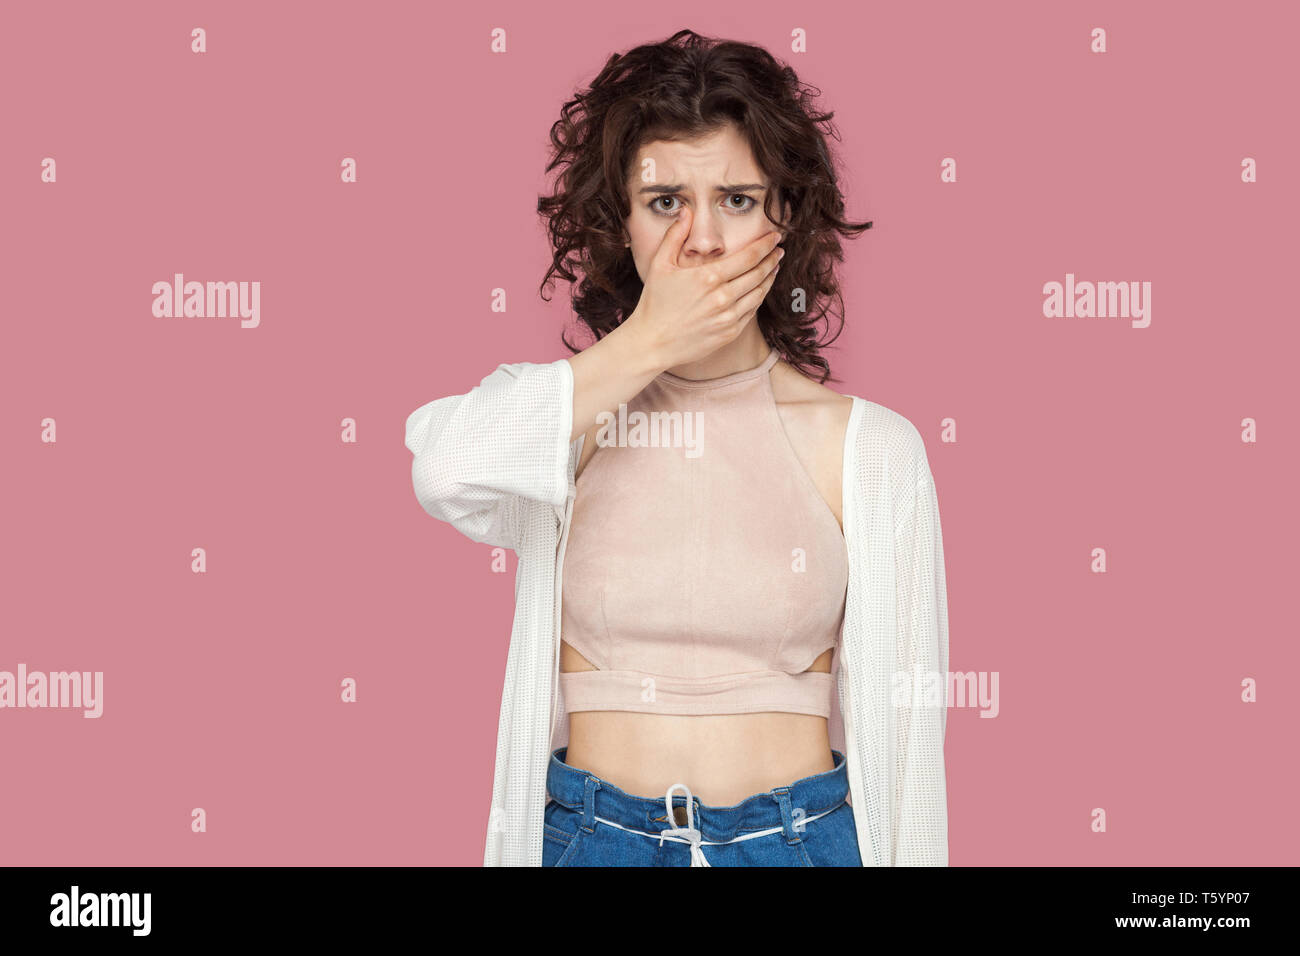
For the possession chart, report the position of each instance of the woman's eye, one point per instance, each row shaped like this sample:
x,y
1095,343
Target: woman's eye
x,y
747,203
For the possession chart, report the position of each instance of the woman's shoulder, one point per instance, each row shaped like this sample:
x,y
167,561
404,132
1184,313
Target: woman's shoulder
x,y
886,438
825,410
874,433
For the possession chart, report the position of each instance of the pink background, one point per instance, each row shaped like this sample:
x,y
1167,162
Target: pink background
x,y
1119,690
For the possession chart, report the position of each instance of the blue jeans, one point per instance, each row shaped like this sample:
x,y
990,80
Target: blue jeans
x,y
589,822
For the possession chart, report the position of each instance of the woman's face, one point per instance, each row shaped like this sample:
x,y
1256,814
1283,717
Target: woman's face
x,y
716,176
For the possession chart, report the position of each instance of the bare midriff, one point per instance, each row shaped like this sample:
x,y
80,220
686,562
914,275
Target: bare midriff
x,y
723,758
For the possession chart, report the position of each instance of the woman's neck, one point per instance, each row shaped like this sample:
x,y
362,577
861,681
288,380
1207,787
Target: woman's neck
x,y
744,352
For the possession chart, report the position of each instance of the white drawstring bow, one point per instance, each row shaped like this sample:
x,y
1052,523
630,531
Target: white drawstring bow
x,y
688,833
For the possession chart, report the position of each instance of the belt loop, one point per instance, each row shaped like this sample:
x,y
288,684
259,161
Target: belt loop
x,y
590,786
782,796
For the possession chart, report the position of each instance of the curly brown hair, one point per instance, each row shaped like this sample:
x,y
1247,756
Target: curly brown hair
x,y
686,86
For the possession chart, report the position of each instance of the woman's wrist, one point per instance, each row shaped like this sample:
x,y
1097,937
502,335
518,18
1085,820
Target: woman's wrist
x,y
612,371
639,352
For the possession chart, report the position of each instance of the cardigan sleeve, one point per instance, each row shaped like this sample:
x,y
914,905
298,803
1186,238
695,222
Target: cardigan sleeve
x,y
920,836
477,456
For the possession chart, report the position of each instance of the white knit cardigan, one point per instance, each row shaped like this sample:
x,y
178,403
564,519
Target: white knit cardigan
x,y
497,464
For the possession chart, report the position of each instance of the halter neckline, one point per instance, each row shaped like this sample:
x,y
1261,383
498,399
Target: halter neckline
x,y
760,369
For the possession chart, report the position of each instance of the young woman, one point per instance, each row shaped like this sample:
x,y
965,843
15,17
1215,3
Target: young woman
x,y
730,644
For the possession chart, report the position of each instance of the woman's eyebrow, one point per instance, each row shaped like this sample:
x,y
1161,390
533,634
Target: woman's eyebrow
x,y
678,187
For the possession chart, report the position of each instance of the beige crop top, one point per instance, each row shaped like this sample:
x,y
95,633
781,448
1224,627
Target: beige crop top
x,y
704,572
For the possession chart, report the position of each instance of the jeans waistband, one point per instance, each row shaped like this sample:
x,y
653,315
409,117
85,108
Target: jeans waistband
x,y
782,807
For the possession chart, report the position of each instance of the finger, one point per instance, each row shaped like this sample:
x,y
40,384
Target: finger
x,y
751,300
745,282
747,257
735,331
670,246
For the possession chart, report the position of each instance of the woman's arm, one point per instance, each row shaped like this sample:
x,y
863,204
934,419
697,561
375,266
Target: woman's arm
x,y
921,830
478,455
610,372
